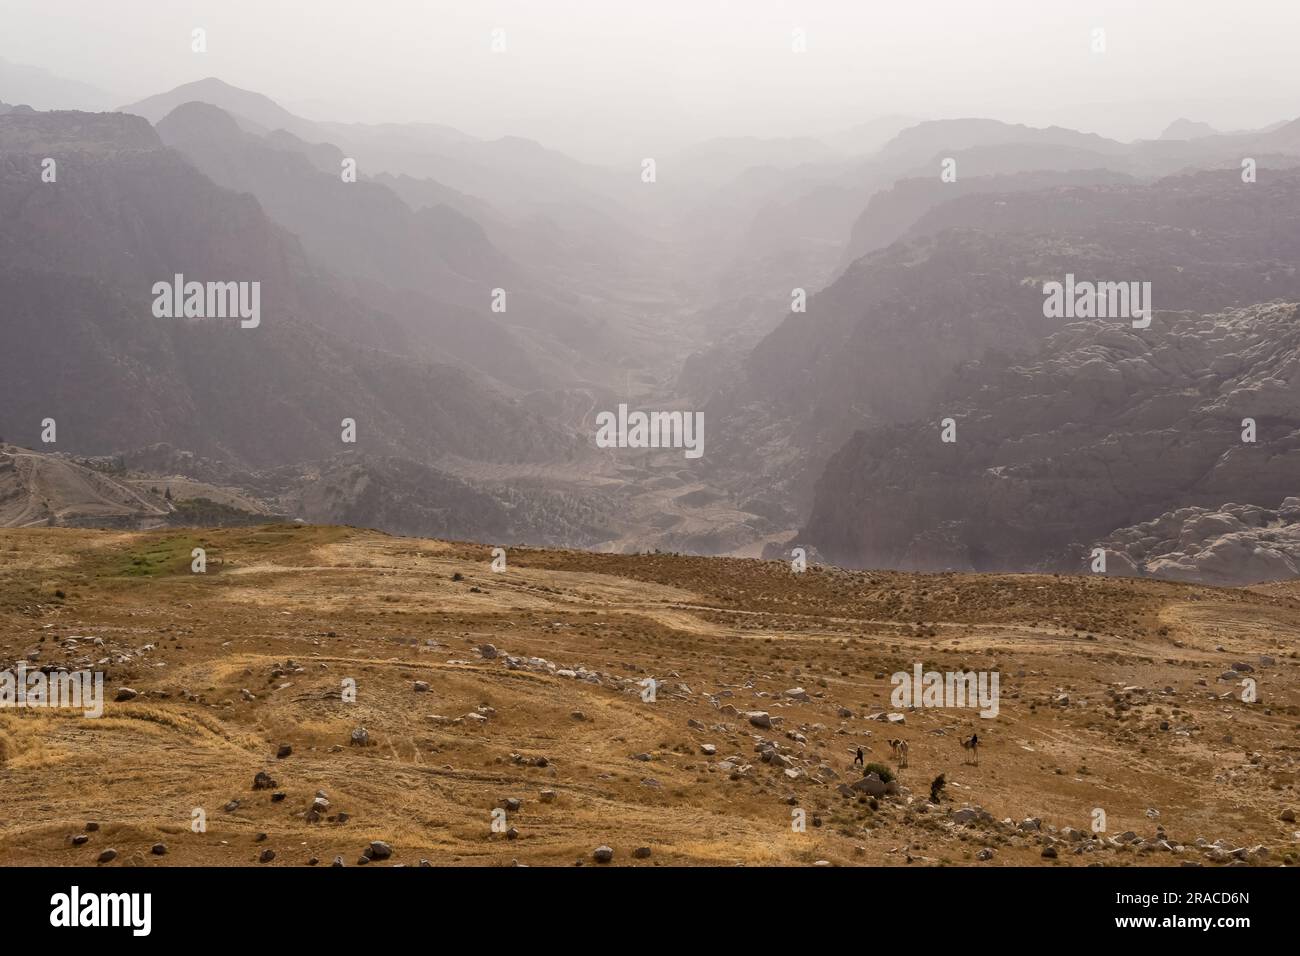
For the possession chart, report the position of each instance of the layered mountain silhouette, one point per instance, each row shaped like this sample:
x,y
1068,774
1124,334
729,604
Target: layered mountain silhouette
x,y
253,111
924,301
513,174
43,90
434,268
80,258
1187,129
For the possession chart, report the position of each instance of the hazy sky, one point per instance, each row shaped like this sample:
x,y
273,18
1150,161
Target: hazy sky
x,y
613,79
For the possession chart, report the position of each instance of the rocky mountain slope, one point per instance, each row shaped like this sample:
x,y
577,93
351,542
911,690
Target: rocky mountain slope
x,y
893,213
38,489
160,486
517,176
80,257
41,489
1229,545
434,267
406,497
1105,426
877,345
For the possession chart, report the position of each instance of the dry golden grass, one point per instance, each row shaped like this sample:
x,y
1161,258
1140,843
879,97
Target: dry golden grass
x,y
384,612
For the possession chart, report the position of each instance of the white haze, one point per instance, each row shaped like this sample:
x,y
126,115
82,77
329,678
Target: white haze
x,y
615,80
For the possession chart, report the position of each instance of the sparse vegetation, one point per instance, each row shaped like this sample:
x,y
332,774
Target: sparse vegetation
x,y
204,512
880,770
254,660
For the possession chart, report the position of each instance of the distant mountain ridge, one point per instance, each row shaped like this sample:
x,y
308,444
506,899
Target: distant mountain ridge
x,y
924,299
259,112
1187,129
79,259
42,90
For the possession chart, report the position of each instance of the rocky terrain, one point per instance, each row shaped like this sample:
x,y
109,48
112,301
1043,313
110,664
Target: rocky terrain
x,y
505,717
163,487
40,489
893,213
1104,427
881,343
924,301
1229,545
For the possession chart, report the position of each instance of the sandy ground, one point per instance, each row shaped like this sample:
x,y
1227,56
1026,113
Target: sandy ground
x,y
1113,698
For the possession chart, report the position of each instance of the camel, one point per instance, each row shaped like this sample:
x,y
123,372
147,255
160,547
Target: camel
x,y
898,747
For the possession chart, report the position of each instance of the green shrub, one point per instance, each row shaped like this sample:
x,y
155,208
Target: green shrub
x,y
880,770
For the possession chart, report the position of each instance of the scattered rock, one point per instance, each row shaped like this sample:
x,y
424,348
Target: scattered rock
x,y
871,784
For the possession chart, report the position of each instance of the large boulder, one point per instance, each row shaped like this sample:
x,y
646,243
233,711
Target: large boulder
x,y
871,785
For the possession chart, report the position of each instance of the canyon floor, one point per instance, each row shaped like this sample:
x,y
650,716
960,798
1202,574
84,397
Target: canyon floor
x,y
1117,695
